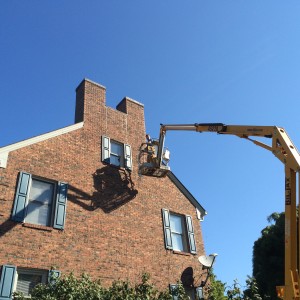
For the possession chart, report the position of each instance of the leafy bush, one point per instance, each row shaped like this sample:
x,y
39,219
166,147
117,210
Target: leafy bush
x,y
70,287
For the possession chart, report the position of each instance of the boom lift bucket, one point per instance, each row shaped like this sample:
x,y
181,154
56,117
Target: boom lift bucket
x,y
148,160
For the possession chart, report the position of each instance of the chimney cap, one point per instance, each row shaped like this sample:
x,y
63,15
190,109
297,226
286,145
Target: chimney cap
x,y
90,81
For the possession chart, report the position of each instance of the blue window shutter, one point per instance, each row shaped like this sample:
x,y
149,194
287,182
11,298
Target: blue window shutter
x,y
127,157
191,235
167,228
174,292
105,153
199,293
7,282
60,205
18,213
53,275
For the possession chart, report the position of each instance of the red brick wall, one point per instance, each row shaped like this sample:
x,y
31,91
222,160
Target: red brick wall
x,y
113,226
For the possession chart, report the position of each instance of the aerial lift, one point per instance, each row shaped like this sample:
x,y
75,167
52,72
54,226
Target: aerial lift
x,y
153,161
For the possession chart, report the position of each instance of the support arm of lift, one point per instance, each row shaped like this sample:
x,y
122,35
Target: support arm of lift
x,y
283,148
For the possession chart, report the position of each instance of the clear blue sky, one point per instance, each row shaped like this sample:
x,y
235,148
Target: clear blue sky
x,y
235,62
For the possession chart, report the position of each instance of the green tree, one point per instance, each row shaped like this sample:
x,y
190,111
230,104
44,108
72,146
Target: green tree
x,y
268,257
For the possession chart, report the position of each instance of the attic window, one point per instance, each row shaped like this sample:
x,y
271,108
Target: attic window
x,y
116,153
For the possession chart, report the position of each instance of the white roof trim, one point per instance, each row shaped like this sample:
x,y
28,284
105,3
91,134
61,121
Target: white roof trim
x,y
132,100
201,212
4,151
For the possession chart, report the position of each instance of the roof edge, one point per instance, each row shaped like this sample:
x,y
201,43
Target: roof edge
x,y
4,151
187,194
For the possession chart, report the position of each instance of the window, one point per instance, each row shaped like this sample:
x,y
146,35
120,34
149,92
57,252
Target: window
x,y
178,232
27,279
116,153
23,280
39,201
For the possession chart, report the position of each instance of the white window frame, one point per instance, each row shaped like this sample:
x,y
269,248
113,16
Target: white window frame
x,y
187,235
183,234
124,157
119,157
20,207
27,271
50,207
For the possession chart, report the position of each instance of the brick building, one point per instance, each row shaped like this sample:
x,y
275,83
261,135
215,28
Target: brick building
x,y
73,199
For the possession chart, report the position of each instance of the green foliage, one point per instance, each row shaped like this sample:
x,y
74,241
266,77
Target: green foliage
x,y
235,292
215,289
252,292
180,293
268,257
70,287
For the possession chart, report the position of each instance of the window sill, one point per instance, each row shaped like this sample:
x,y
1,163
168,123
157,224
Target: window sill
x,y
181,253
122,168
36,226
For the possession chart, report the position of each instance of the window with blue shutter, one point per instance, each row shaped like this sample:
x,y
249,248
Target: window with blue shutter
x,y
106,149
39,201
7,282
128,157
20,202
116,153
191,235
60,207
26,279
178,232
167,228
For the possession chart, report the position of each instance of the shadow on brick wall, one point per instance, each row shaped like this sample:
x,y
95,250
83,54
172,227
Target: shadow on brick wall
x,y
187,277
113,188
6,226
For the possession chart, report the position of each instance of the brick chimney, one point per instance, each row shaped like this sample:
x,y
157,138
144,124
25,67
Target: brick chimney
x,y
127,121
89,97
130,106
135,118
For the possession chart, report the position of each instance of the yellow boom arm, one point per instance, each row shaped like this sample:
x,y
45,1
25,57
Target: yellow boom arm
x,y
283,148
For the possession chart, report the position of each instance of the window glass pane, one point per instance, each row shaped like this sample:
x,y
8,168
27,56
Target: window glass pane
x,y
176,223
39,204
115,160
116,154
37,213
26,282
177,242
41,191
116,148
